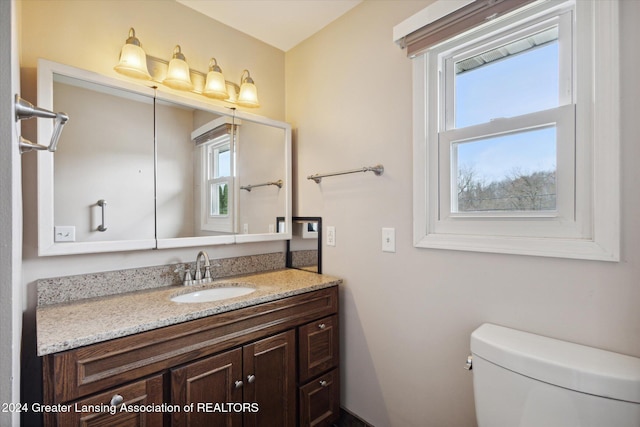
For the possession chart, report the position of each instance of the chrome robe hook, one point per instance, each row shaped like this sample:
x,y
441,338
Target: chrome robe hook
x,y
26,110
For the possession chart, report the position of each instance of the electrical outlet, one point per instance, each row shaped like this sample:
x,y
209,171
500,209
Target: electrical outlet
x,y
388,240
331,235
64,233
272,228
245,228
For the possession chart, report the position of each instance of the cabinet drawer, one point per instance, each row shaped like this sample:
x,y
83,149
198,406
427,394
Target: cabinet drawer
x,y
98,410
320,400
318,350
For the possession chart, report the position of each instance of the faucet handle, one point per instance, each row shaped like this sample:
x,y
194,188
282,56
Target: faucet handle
x,y
188,280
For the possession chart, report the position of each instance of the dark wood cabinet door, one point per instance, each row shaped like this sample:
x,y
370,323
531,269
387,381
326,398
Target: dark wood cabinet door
x,y
270,381
318,347
98,408
320,400
212,386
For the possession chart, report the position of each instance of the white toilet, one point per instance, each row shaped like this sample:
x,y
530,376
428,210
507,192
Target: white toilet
x,y
526,380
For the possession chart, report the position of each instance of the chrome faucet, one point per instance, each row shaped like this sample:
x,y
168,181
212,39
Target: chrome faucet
x,y
198,279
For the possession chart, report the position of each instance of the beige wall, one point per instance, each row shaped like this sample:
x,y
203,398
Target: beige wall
x,y
89,35
407,316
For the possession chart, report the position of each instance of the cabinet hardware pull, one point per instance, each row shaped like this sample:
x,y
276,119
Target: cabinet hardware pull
x,y
322,326
239,384
324,383
102,203
251,378
116,400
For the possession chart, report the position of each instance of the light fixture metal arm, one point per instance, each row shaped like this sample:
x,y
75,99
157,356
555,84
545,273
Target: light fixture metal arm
x,y
26,110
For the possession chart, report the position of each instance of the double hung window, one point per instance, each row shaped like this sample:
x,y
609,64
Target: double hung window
x,y
217,183
507,130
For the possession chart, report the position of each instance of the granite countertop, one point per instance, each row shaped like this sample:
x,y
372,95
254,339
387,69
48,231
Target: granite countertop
x,y
66,326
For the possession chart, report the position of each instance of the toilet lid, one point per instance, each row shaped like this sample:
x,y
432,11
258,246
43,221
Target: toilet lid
x,y
573,366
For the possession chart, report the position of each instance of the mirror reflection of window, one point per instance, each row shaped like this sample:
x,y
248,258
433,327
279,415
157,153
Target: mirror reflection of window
x,y
215,147
218,176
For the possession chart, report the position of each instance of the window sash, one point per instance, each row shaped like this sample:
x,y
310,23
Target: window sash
x,y
448,57
510,222
212,203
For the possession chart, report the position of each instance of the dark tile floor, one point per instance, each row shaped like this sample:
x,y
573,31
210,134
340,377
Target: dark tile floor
x,y
349,420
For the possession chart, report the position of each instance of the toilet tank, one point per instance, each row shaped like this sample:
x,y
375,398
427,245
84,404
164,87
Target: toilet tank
x,y
526,380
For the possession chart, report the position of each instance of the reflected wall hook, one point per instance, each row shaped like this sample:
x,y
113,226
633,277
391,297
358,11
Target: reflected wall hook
x,y
277,183
26,110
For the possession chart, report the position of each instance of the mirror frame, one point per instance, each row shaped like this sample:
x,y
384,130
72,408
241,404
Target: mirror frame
x,y
45,168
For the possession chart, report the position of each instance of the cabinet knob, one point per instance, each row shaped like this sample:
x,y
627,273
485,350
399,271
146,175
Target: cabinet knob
x,y
324,383
251,378
116,400
322,326
239,384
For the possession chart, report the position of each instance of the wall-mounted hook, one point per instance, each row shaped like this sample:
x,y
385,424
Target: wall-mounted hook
x,y
26,110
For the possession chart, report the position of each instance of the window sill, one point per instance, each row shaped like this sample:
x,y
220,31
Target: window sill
x,y
532,246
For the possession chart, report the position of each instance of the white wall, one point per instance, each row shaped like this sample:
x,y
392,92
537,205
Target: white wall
x,y
407,316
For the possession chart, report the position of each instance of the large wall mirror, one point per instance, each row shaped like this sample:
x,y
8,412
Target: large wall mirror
x,y
138,168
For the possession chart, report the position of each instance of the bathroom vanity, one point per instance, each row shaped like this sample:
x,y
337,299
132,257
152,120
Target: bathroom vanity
x,y
267,358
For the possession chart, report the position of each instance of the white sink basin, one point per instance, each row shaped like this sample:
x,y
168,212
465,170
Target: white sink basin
x,y
214,294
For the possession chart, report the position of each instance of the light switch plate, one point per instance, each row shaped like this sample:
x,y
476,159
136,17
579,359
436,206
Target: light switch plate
x,y
331,235
388,240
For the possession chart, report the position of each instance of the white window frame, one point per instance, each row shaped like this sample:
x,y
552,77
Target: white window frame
x,y
220,222
586,223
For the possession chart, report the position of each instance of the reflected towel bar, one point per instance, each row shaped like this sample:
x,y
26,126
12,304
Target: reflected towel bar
x,y
377,169
277,183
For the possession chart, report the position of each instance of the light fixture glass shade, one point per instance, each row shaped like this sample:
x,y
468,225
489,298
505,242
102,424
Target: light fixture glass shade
x,y
248,96
178,74
133,60
232,90
215,85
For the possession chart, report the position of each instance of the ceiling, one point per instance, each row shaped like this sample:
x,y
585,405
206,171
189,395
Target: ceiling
x,y
280,23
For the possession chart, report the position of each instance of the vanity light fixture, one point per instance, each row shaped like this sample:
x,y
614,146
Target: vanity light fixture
x,y
215,86
133,60
178,76
248,96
